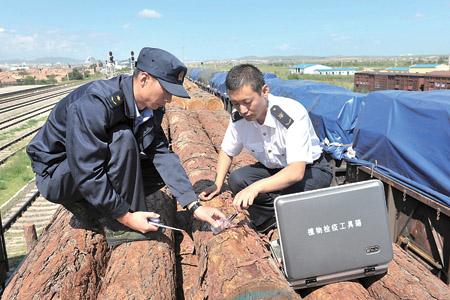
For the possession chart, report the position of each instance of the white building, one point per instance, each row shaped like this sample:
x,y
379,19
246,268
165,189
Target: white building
x,y
306,68
337,71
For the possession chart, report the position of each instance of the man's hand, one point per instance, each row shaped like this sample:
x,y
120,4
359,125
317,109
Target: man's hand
x,y
210,192
245,198
209,214
138,221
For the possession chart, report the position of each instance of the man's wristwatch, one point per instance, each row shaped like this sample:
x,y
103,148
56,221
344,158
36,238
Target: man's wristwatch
x,y
194,207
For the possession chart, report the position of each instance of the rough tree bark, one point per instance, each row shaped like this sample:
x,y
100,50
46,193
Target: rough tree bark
x,y
144,269
66,263
407,279
236,262
340,291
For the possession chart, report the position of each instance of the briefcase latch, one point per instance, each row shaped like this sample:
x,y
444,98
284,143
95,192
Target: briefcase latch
x,y
311,280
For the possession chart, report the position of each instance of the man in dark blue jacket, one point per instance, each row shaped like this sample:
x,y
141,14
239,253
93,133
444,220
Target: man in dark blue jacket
x,y
101,139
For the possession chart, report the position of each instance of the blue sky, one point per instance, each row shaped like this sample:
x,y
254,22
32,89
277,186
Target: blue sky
x,y
200,30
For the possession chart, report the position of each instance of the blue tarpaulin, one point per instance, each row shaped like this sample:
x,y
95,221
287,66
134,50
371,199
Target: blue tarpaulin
x,y
194,73
333,110
406,135
403,135
217,82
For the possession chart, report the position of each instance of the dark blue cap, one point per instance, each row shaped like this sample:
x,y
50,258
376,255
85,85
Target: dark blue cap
x,y
165,67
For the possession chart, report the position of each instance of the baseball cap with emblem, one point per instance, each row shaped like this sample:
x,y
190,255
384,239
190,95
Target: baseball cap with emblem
x,y
165,67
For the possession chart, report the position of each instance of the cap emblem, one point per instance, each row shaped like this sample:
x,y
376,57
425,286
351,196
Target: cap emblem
x,y
181,76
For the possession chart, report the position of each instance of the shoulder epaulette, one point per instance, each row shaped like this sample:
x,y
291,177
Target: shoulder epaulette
x,y
236,116
281,116
117,98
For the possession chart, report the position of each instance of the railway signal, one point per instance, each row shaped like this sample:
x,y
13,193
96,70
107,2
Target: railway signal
x,y
132,62
111,64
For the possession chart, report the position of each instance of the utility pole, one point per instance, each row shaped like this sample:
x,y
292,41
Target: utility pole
x,y
132,62
111,64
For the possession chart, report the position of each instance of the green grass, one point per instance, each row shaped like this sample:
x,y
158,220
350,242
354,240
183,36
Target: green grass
x,y
14,175
27,125
282,71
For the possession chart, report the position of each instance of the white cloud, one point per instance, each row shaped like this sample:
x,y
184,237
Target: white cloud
x,y
23,42
284,47
2,29
149,14
419,15
51,43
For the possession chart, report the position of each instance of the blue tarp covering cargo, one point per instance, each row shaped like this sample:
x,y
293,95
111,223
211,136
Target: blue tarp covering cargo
x,y
333,110
268,76
217,82
206,75
194,73
407,134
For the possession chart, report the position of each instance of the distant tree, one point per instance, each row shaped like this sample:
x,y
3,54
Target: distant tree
x,y
29,80
23,73
442,60
51,79
293,76
75,74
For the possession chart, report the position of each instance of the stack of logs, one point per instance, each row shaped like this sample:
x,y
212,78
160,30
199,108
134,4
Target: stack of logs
x,y
70,261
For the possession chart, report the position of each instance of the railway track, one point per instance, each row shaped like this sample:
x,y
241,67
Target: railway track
x,y
10,147
25,116
20,93
11,107
26,207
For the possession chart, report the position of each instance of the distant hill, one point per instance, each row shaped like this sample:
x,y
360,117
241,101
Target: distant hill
x,y
43,60
310,58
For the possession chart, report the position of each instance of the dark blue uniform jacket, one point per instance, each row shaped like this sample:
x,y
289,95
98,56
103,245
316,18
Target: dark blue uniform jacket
x,y
78,129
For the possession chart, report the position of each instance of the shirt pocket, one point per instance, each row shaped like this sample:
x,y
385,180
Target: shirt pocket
x,y
278,157
255,148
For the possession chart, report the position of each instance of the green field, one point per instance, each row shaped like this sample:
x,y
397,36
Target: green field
x,y
282,71
14,175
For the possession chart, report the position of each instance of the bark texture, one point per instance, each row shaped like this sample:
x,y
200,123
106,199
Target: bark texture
x,y
235,263
66,263
407,279
340,291
144,269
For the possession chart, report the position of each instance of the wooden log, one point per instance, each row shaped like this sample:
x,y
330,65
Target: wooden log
x,y
66,263
178,102
194,103
235,263
187,260
345,290
339,291
30,235
216,131
144,269
213,104
407,279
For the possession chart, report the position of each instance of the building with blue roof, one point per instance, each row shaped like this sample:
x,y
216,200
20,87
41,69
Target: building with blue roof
x,y
398,69
426,68
306,68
